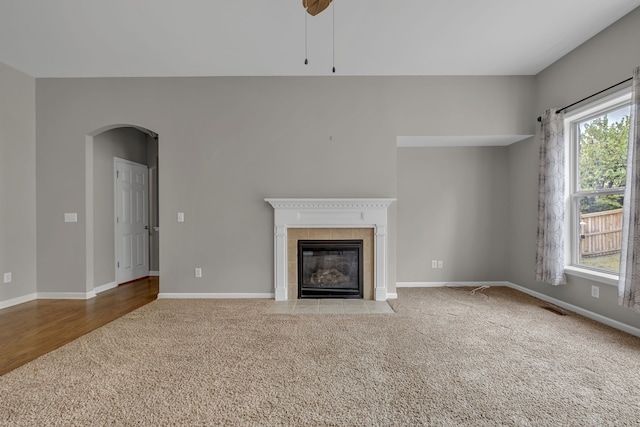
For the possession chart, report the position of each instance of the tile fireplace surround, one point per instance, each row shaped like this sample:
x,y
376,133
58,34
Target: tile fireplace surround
x,y
330,213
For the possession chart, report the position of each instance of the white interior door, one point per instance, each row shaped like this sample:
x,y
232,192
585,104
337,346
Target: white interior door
x,y
132,220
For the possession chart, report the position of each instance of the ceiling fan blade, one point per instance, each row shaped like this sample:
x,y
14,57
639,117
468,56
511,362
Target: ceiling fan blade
x,y
314,7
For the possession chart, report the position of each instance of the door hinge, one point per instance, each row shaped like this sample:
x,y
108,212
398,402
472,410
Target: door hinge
x,y
118,264
117,174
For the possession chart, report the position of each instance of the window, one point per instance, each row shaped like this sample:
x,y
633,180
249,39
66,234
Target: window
x,y
598,137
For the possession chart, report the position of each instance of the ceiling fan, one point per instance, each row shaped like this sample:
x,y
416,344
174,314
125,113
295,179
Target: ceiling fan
x,y
314,7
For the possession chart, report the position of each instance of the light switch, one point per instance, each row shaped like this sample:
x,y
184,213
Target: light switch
x,y
180,216
71,217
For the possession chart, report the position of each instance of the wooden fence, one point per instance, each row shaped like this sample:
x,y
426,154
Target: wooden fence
x,y
601,233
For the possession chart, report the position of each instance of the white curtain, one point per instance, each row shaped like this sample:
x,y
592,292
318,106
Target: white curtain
x,y
629,283
550,253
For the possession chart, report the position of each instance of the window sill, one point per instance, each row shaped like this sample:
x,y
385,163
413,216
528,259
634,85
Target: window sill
x,y
596,276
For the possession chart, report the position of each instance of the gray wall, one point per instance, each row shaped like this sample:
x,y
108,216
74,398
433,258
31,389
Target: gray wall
x,y
606,59
154,239
17,183
125,143
452,206
227,143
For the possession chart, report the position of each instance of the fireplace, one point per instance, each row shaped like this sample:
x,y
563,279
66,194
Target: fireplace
x,y
330,269
293,214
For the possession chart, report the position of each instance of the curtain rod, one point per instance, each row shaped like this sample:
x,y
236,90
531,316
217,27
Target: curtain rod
x,y
590,96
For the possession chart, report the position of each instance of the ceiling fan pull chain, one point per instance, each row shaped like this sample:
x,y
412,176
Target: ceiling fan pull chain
x,y
333,29
306,44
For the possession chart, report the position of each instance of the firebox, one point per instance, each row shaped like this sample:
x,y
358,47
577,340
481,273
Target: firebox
x,y
330,269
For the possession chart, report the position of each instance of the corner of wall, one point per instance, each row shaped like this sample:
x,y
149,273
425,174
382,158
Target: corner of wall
x,y
17,185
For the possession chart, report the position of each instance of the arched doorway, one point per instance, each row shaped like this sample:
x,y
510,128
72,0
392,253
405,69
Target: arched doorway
x,y
130,144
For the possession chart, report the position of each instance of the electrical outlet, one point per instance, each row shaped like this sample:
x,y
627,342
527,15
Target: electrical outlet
x,y
198,272
434,263
7,277
439,263
180,216
595,291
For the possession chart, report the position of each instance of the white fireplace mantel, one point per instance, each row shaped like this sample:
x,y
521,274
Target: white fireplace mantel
x,y
330,213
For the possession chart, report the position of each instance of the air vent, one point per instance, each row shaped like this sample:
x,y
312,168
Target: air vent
x,y
556,310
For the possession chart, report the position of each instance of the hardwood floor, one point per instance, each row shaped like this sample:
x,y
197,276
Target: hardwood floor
x,y
29,330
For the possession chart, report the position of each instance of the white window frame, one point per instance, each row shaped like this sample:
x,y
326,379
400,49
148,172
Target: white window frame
x,y
572,226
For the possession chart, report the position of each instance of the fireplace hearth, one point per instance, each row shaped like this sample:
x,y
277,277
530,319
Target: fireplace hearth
x,y
330,269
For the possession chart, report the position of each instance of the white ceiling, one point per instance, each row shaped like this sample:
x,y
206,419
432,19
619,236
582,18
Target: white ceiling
x,y
109,38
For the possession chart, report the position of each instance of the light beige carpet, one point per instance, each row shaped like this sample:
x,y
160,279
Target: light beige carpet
x,y
445,358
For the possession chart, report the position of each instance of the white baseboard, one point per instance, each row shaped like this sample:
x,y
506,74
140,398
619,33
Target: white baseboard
x,y
66,295
154,274
586,313
105,287
47,295
574,308
18,300
448,284
168,295
392,295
